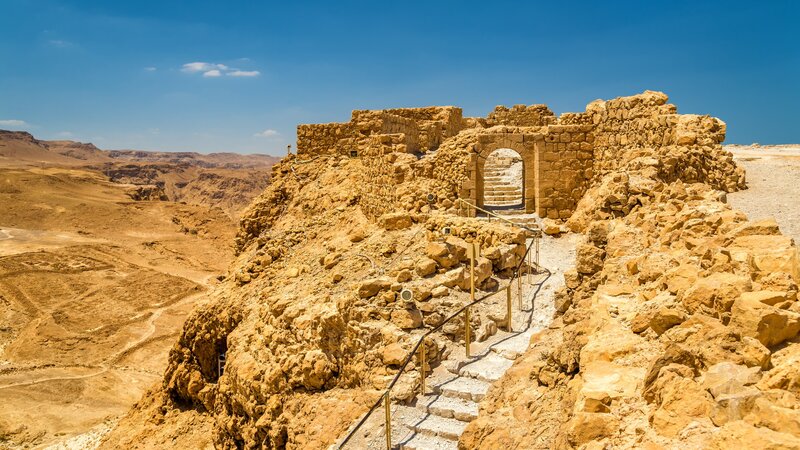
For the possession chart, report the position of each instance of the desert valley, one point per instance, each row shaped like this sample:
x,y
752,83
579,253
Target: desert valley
x,y
102,255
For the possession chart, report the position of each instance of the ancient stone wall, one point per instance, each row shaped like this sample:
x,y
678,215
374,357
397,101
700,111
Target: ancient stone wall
x,y
564,165
521,115
562,157
378,189
642,121
323,138
435,123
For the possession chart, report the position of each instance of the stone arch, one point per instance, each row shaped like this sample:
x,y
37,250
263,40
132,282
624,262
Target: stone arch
x,y
526,146
507,191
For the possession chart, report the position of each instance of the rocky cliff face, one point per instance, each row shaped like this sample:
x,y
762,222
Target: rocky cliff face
x,y
678,327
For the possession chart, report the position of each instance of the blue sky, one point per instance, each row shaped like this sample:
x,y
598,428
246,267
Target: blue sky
x,y
121,74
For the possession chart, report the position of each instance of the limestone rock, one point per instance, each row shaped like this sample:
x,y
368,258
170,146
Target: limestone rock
x,y
551,227
369,288
395,221
729,378
585,427
589,259
785,373
716,293
407,318
682,401
356,235
425,267
767,297
439,291
739,434
768,324
442,253
394,354
403,276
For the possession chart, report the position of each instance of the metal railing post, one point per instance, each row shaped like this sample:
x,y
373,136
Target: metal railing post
x,y
422,367
530,268
467,336
508,308
387,402
519,290
467,330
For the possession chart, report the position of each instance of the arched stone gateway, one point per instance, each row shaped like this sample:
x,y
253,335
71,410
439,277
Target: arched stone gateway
x,y
559,155
503,185
525,146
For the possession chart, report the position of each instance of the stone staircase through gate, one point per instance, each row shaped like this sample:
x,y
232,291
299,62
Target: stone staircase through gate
x,y
502,179
502,188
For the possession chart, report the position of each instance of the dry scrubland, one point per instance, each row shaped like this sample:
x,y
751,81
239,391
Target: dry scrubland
x,y
94,286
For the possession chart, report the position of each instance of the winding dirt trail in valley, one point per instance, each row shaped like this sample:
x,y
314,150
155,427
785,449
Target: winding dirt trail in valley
x,y
109,362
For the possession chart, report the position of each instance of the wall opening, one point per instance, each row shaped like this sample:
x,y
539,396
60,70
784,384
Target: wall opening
x,y
503,180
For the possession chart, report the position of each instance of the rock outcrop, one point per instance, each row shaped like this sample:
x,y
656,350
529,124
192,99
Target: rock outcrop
x,y
677,327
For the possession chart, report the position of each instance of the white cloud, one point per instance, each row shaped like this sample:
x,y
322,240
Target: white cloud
x,y
213,70
150,69
65,134
13,123
202,67
267,133
244,73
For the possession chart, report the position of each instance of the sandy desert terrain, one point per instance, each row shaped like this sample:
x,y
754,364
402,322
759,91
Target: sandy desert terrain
x,y
94,288
773,190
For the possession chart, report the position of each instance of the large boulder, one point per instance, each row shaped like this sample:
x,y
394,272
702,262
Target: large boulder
x,y
739,434
589,259
407,318
785,371
710,342
371,287
768,324
395,221
394,354
716,293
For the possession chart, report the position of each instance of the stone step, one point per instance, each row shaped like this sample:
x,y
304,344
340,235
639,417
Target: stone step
x,y
488,368
503,196
501,189
505,201
507,213
425,442
450,408
513,347
431,425
502,203
464,388
505,193
498,188
499,203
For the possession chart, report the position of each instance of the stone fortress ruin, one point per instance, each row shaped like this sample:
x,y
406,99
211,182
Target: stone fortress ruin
x,y
561,156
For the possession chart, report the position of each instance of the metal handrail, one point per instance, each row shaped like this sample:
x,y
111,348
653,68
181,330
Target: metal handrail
x,y
490,213
386,394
